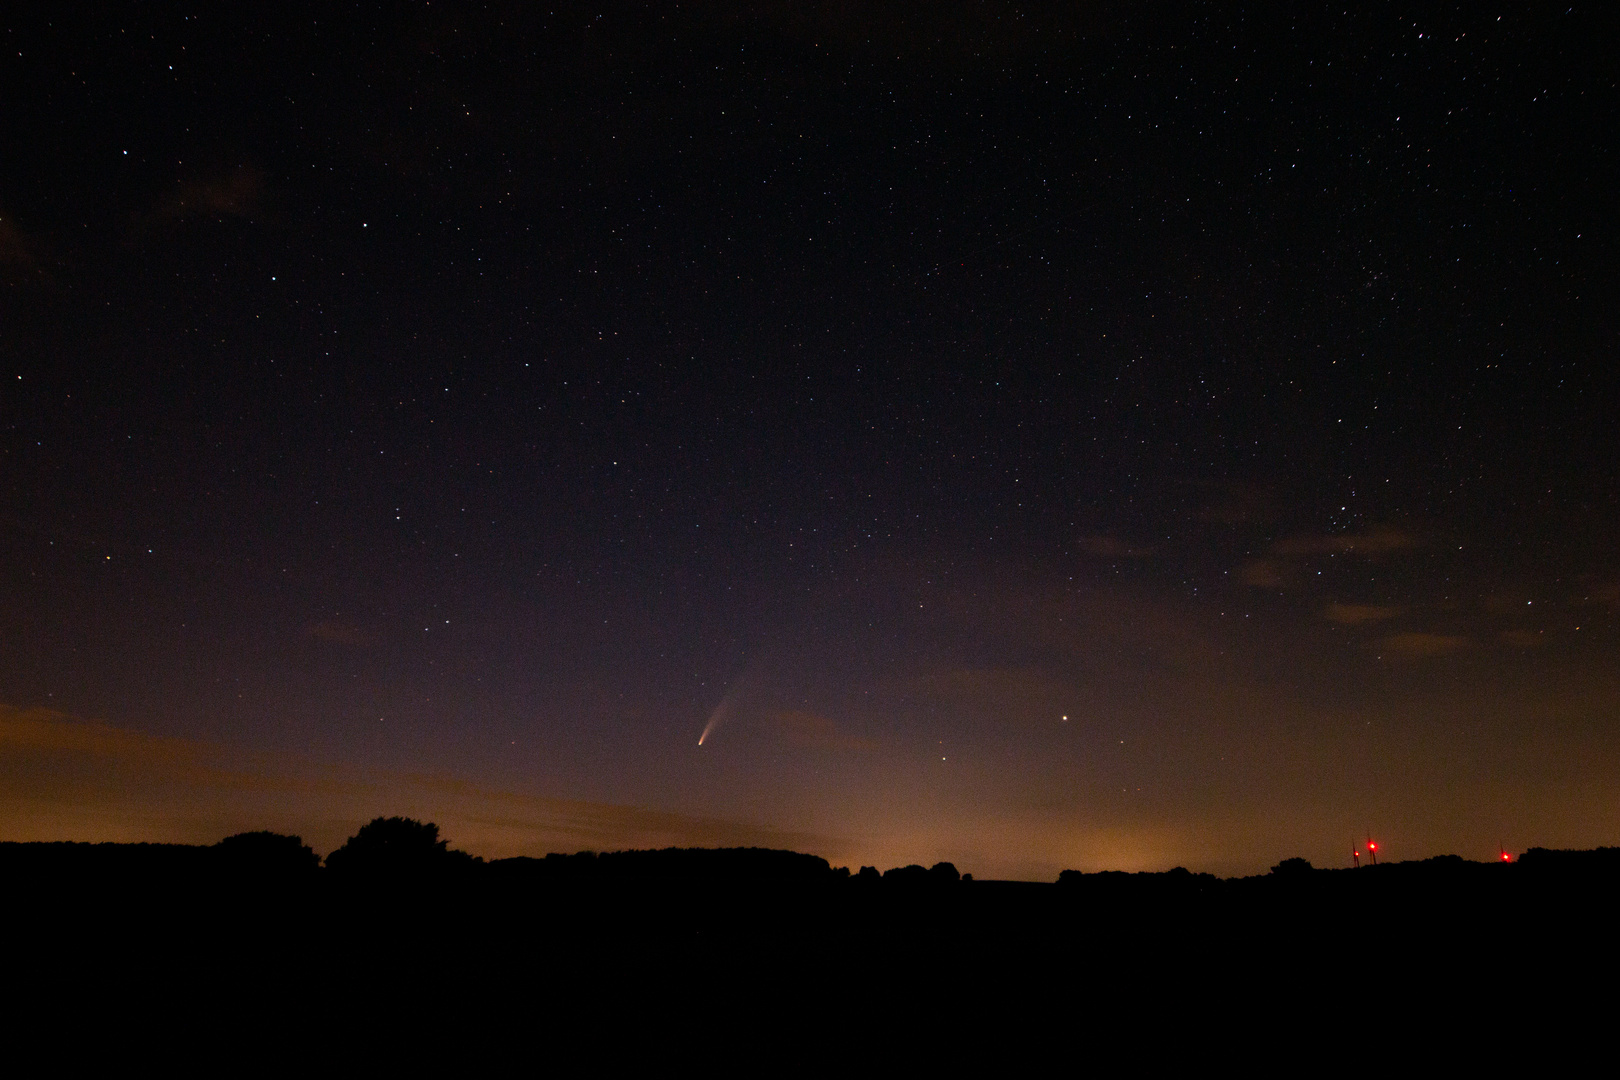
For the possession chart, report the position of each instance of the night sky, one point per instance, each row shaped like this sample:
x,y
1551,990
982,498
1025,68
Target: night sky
x,y
1059,435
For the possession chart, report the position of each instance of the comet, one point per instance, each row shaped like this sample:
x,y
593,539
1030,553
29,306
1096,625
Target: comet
x,y
728,704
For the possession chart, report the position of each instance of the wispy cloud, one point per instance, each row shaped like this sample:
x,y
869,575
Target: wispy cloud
x,y
812,731
1239,503
20,258
1265,574
1376,541
1523,639
1417,643
229,193
1109,547
1355,614
13,248
1282,563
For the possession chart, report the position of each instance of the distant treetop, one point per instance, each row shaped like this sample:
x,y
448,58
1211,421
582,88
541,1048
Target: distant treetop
x,y
1295,865
264,852
395,845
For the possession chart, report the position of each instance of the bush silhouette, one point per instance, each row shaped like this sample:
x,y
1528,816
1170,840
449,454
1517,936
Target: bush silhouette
x,y
395,846
1292,867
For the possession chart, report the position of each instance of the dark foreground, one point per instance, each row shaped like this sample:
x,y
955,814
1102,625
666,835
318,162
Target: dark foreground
x,y
748,952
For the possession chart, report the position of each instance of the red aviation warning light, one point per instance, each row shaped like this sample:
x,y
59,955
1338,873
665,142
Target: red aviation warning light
x,y
1372,850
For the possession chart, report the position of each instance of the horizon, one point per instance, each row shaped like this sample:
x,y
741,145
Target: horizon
x,y
1286,864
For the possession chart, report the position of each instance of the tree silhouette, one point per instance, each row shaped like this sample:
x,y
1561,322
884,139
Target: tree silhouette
x,y
395,846
1292,866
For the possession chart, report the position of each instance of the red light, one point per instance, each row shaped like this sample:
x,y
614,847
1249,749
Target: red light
x,y
1372,847
1506,857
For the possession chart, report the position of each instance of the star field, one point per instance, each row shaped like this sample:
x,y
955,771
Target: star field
x,y
1113,436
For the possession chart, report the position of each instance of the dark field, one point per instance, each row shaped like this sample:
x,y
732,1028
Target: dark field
x,y
795,958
